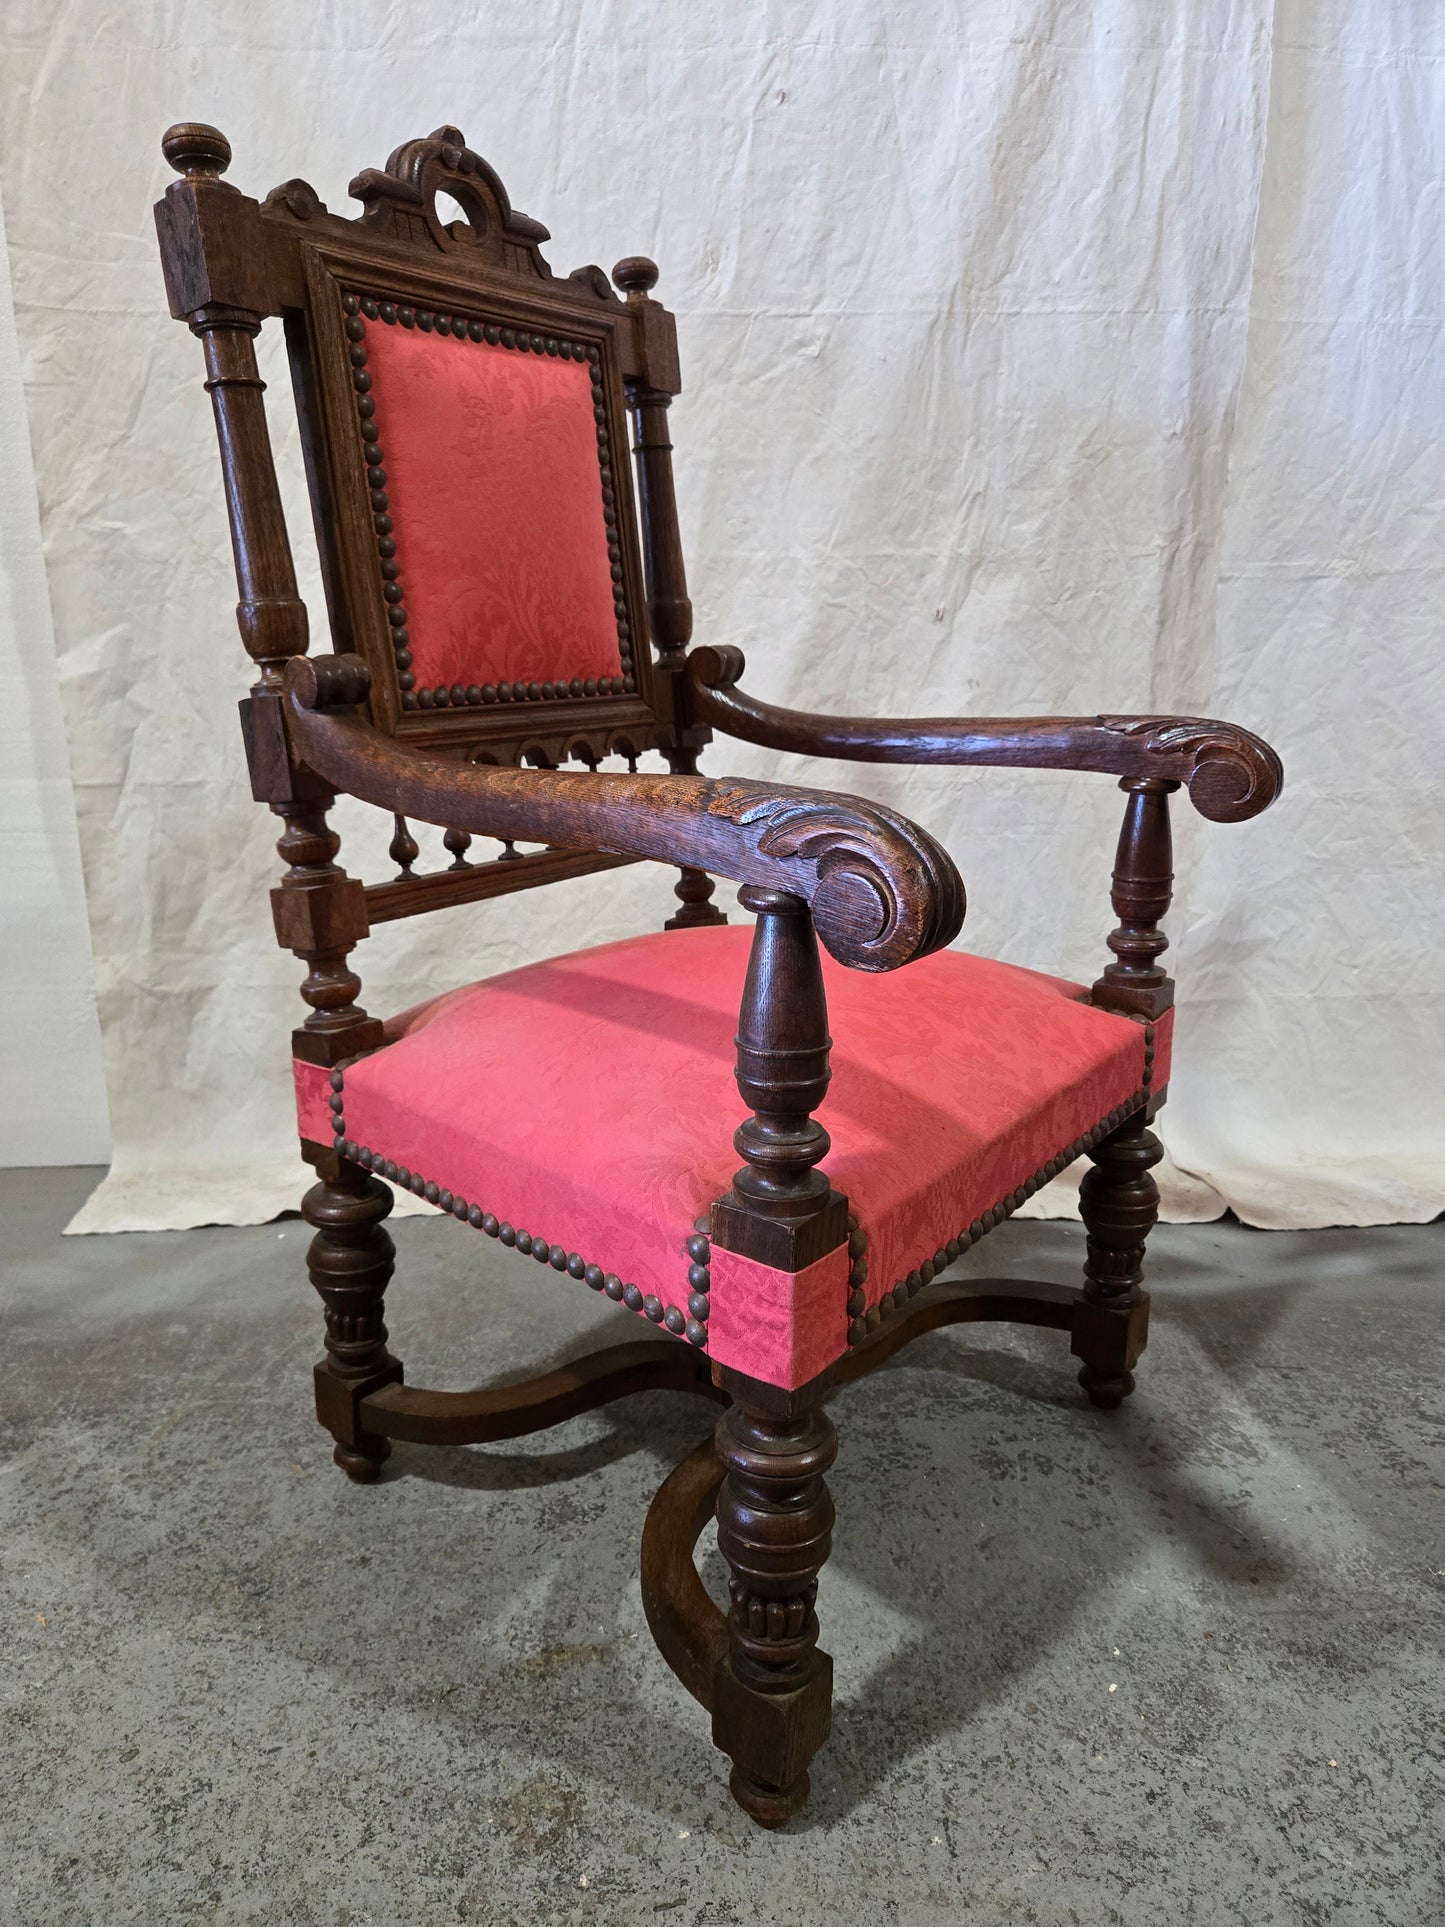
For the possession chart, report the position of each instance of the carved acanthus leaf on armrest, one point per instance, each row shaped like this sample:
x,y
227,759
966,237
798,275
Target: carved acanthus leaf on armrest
x,y
882,891
1230,773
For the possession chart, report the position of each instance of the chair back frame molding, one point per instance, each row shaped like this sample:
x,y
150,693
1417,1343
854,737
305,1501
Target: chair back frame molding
x,y
231,262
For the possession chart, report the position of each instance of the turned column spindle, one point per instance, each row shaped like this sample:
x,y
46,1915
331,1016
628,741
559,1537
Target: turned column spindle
x,y
669,610
270,614
1118,1199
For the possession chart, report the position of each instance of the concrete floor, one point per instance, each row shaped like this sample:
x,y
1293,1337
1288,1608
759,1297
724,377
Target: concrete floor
x,y
1180,1664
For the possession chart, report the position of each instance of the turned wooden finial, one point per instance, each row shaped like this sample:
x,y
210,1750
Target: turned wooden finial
x,y
197,151
635,275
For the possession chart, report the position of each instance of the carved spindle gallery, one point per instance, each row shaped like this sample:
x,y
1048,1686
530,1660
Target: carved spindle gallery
x,y
350,1261
403,848
772,1694
694,890
458,842
1143,884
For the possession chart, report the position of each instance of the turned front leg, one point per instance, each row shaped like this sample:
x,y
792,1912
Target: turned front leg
x,y
773,1694
350,1261
1119,1203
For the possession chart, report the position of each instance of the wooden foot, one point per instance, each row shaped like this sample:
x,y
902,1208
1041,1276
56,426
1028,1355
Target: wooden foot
x,y
363,1462
350,1261
1119,1203
773,1691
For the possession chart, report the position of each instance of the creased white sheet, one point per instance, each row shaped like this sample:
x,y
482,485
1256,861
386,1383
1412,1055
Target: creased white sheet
x,y
1038,357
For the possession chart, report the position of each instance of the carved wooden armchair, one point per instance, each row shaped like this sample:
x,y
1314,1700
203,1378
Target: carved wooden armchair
x,y
501,608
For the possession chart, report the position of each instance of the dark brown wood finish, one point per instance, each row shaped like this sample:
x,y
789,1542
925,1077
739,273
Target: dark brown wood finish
x,y
694,887
772,1694
407,896
1119,1202
483,1416
231,261
781,1209
350,1260
1136,981
481,762
880,889
1230,774
694,892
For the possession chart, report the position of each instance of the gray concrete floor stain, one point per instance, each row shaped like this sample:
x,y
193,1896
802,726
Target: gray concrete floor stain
x,y
1182,1664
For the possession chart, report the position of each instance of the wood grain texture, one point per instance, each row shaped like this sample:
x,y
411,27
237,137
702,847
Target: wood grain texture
x,y
882,892
1230,774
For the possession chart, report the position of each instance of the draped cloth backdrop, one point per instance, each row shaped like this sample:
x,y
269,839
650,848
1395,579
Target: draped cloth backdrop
x,y
1039,355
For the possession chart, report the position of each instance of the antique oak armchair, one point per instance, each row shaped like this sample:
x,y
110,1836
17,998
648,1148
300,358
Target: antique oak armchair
x,y
502,607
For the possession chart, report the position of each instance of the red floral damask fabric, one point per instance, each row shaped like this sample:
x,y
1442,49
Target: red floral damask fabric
x,y
591,1101
496,504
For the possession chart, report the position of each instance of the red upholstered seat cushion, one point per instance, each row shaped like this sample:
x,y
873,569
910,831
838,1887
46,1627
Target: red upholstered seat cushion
x,y
495,494
590,1101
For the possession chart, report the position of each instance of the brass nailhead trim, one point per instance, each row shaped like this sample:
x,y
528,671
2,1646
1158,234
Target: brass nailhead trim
x,y
358,310
862,1323
690,1324
698,1249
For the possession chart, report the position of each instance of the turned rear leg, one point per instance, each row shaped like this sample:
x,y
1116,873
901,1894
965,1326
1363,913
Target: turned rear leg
x,y
350,1261
1119,1203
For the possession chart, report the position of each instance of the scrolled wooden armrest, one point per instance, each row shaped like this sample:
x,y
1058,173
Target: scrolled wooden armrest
x,y
1230,774
882,891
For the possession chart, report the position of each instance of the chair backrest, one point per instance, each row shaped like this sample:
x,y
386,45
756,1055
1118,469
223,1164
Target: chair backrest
x,y
464,419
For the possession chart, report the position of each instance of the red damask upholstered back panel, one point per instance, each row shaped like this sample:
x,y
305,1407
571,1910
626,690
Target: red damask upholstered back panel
x,y
489,457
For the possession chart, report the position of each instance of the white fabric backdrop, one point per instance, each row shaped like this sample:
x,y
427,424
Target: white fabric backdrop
x,y
1038,355
54,1109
